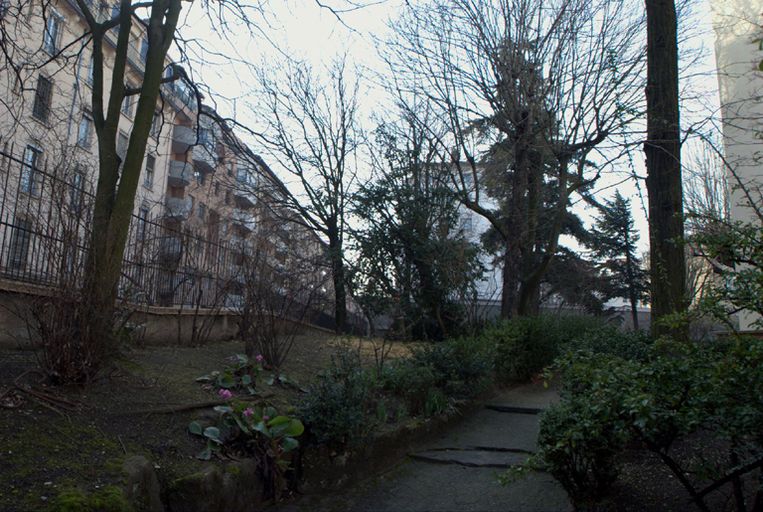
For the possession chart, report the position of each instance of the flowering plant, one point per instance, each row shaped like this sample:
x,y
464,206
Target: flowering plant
x,y
257,431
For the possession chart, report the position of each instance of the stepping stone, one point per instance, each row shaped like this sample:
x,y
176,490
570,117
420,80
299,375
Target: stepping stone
x,y
472,458
528,397
489,428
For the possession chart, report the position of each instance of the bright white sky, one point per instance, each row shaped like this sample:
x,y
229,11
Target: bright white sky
x,y
303,29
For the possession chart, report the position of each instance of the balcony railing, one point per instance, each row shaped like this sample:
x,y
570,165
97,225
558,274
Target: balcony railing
x,y
180,173
243,219
182,138
178,207
205,157
244,198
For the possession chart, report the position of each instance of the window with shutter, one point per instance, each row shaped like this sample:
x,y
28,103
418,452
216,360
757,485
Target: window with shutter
x,y
42,98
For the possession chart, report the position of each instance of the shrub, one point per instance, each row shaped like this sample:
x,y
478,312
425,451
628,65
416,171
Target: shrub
x,y
526,345
462,367
411,382
666,393
338,407
609,339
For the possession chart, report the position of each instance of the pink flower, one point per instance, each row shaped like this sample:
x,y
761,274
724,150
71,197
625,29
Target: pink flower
x,y
225,394
260,358
248,412
265,418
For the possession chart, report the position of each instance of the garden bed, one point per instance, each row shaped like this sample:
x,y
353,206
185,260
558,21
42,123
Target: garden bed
x,y
143,407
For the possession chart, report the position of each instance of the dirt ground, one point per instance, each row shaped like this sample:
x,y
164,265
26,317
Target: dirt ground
x,y
134,409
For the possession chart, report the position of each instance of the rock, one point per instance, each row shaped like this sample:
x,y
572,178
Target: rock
x,y
232,488
142,485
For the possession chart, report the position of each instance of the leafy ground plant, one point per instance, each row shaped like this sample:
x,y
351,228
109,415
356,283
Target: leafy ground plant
x,y
241,374
255,431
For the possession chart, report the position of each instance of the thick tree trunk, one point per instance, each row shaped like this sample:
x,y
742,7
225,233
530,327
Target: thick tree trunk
x,y
115,192
663,163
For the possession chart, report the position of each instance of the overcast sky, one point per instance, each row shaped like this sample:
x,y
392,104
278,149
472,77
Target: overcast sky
x,y
303,29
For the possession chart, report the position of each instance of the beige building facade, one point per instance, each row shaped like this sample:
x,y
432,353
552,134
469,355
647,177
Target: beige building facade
x,y
738,27
202,194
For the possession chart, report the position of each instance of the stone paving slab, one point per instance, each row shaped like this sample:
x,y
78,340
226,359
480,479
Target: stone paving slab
x,y
444,488
473,457
531,396
492,429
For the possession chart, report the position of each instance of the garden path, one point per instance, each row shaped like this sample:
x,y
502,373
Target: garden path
x,y
457,470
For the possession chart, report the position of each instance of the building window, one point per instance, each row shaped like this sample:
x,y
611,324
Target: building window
x,y
230,168
4,7
52,34
227,197
21,237
142,222
156,125
30,170
206,137
42,99
144,49
85,131
199,176
202,211
127,103
148,179
91,70
217,188
77,190
122,143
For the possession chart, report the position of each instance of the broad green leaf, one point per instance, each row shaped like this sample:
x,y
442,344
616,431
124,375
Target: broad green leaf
x,y
195,428
288,444
213,433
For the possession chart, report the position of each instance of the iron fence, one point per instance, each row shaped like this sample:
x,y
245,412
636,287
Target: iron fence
x,y
45,229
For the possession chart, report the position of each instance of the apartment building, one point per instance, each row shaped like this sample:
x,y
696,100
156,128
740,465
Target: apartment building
x,y
202,198
738,26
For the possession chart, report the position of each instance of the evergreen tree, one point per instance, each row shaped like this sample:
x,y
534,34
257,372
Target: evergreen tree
x,y
613,241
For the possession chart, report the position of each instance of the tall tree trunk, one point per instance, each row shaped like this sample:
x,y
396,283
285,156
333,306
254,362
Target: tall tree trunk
x,y
338,279
115,192
663,164
631,285
517,243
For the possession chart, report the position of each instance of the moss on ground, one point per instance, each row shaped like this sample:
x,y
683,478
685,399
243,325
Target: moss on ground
x,y
107,499
37,456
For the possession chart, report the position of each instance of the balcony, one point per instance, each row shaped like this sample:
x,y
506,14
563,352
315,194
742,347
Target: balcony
x,y
242,245
178,207
205,157
181,173
170,248
182,138
244,198
243,219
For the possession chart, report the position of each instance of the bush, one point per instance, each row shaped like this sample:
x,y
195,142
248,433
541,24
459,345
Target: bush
x,y
411,382
524,346
462,367
665,393
338,408
609,339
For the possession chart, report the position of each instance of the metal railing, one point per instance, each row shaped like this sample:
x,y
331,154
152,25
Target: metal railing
x,y
45,229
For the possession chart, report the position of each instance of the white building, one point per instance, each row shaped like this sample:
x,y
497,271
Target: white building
x,y
738,26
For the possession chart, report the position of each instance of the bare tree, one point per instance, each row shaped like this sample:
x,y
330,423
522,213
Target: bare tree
x,y
546,85
280,282
310,128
